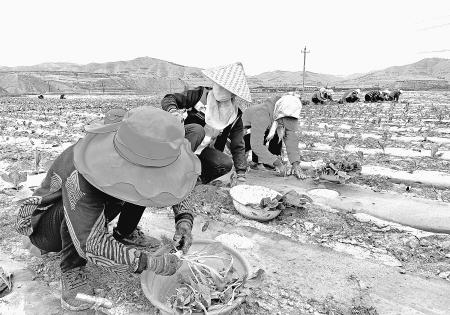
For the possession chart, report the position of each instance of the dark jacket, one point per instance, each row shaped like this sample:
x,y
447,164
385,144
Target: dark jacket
x,y
373,96
317,98
260,118
350,97
84,208
235,131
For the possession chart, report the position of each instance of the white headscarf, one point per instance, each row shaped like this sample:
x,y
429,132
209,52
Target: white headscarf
x,y
220,109
286,106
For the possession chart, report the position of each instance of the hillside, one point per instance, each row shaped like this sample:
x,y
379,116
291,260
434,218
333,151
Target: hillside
x,y
143,65
424,74
281,78
149,75
140,75
428,73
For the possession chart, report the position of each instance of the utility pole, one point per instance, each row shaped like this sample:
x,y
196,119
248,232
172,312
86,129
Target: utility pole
x,y
304,52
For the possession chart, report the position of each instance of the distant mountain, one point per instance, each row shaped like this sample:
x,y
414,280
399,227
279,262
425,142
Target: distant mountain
x,y
150,75
140,75
143,65
290,78
426,73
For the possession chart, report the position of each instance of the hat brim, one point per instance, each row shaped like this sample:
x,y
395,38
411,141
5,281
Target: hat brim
x,y
237,93
97,160
98,126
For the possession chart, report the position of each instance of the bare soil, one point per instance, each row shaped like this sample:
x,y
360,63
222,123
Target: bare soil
x,y
317,260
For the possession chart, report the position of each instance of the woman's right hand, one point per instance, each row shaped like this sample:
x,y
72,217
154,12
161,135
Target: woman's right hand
x,y
297,171
178,114
165,264
280,167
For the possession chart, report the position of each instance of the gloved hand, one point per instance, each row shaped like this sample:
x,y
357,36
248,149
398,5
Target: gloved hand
x,y
280,167
177,114
183,236
297,171
165,264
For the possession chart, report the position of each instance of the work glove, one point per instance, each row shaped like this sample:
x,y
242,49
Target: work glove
x,y
280,167
297,171
178,114
165,264
183,236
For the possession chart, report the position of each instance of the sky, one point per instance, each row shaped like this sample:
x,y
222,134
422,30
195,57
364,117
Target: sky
x,y
343,37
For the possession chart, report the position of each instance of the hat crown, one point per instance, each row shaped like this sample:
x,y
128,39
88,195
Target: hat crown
x,y
152,123
149,136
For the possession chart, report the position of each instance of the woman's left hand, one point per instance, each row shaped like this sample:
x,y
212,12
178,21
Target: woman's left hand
x,y
183,236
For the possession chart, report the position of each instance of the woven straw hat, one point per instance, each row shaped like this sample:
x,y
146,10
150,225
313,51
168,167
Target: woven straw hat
x,y
144,159
231,77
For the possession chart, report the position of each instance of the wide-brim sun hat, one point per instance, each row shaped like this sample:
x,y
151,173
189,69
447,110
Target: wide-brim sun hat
x,y
109,123
144,160
231,77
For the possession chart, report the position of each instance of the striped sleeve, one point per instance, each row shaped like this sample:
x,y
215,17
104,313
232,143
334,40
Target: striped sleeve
x,y
169,103
184,211
84,213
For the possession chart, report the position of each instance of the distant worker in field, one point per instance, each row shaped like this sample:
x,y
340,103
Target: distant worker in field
x,y
267,125
41,97
385,94
321,96
118,169
394,95
374,96
214,116
329,94
351,96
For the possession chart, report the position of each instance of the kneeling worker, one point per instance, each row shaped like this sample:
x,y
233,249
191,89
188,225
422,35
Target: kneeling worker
x,y
141,161
270,123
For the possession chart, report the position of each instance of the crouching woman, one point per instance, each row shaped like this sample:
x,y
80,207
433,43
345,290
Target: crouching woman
x,y
123,167
267,125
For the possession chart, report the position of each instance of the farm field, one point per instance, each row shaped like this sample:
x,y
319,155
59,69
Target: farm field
x,y
391,140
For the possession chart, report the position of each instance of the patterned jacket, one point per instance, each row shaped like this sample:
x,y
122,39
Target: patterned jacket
x,y
84,211
235,131
350,97
374,96
318,96
260,118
